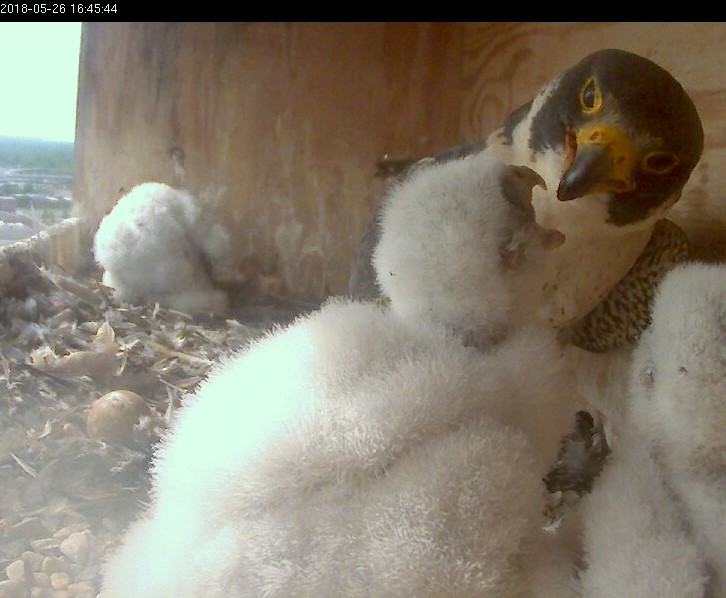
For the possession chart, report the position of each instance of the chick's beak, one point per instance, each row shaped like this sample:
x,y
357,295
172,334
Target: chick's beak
x,y
552,238
532,178
602,159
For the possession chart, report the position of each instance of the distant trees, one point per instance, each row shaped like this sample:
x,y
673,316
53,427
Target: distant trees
x,y
13,189
21,152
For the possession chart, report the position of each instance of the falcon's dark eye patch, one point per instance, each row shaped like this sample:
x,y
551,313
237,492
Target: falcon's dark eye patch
x,y
591,97
659,162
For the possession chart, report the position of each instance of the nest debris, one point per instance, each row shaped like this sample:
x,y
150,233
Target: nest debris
x,y
64,342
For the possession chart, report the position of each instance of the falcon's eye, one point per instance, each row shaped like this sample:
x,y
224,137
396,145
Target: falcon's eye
x,y
591,97
659,162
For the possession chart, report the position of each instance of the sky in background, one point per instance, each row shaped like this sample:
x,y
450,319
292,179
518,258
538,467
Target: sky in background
x,y
39,79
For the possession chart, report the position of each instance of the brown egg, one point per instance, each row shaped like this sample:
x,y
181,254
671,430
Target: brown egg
x,y
113,416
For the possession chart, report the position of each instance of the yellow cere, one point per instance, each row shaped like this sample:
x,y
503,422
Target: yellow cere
x,y
623,154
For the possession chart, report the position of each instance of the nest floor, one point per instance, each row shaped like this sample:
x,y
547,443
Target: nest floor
x,y
65,496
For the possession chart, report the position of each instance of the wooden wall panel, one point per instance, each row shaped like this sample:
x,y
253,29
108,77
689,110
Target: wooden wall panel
x,y
505,63
278,126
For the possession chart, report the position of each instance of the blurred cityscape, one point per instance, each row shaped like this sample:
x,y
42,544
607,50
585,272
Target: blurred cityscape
x,y
33,197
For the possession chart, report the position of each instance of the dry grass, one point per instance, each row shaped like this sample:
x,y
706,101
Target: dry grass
x,y
64,496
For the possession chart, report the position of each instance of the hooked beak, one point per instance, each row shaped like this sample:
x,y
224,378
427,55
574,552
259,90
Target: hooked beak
x,y
602,157
551,238
532,178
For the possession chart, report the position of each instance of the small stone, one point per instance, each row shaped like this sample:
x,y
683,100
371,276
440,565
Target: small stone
x,y
33,559
53,564
59,580
77,547
17,571
11,589
81,588
66,531
62,533
41,579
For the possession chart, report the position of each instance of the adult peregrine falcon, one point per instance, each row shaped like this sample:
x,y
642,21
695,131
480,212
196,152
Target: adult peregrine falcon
x,y
616,138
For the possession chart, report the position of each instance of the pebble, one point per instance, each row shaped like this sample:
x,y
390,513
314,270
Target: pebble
x,y
33,559
11,589
80,587
17,571
52,564
37,575
77,547
48,593
66,531
41,579
60,580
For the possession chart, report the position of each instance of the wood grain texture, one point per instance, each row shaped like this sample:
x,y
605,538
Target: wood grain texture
x,y
278,126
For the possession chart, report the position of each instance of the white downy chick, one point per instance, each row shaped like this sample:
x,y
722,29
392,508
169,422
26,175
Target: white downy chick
x,y
448,257
366,450
158,245
656,522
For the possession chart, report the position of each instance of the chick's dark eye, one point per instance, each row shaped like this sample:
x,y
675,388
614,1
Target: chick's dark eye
x,y
659,162
591,96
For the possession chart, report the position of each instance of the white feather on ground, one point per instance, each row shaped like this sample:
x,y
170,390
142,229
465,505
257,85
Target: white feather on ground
x,y
368,450
158,245
656,521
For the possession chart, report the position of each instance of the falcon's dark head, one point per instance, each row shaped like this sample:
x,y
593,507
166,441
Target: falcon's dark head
x,y
627,128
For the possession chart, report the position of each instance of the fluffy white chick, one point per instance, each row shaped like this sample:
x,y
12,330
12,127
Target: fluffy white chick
x,y
158,245
369,450
450,254
656,522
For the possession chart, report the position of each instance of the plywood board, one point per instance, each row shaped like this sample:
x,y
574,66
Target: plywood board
x,y
278,126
